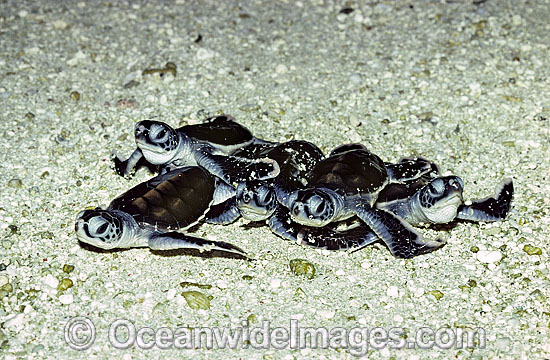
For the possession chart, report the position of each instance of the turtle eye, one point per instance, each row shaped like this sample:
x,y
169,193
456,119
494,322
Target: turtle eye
x,y
268,198
436,188
265,196
321,208
102,229
98,226
246,198
316,205
158,134
161,137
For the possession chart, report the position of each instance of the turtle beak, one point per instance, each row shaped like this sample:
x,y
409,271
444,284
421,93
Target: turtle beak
x,y
140,131
455,187
456,183
79,220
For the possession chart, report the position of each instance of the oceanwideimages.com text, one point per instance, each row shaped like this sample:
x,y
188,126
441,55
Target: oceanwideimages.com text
x,y
80,334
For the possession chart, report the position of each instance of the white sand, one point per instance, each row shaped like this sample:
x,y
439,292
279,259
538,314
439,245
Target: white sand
x,y
462,84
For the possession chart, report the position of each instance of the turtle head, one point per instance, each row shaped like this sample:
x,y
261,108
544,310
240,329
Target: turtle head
x,y
256,200
313,207
158,141
440,198
100,228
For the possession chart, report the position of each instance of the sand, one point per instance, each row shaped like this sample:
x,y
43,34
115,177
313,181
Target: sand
x,y
463,83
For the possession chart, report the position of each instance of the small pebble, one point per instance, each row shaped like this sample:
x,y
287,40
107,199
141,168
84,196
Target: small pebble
x,y
4,279
356,78
38,348
75,95
51,281
204,54
221,284
251,319
8,288
436,293
327,314
503,343
66,299
392,291
15,183
65,284
281,69
492,230
301,267
275,283
532,250
126,104
196,300
130,84
488,256
171,294
59,24
15,322
365,264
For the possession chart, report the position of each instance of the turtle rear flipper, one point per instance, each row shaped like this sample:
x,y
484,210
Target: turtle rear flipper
x,y
400,237
331,239
494,208
409,169
174,240
223,213
234,170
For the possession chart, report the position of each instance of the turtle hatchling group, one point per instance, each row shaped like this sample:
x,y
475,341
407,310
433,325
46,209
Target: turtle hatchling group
x,y
217,171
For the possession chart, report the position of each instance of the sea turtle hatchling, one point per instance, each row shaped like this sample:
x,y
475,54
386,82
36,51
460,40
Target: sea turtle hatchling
x,y
435,201
207,145
346,184
256,200
144,215
440,201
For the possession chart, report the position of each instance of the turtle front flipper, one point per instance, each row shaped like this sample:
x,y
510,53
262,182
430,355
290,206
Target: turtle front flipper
x,y
174,240
494,208
401,239
281,224
409,169
330,239
234,170
125,167
223,213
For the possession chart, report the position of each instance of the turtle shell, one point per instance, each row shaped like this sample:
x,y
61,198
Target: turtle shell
x,y
254,150
296,158
220,130
353,172
397,191
175,200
